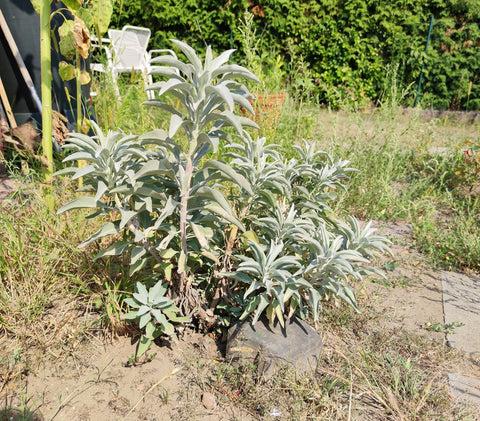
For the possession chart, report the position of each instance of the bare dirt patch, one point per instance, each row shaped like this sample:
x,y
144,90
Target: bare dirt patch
x,y
90,378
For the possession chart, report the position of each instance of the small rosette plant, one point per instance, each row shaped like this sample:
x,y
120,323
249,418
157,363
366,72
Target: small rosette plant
x,y
154,312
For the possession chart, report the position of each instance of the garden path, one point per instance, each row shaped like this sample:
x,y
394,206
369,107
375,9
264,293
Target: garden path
x,y
447,301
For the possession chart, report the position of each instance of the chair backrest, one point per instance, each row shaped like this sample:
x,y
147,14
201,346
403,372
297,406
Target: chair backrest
x,y
129,47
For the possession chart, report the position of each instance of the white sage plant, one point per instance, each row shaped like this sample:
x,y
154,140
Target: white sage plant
x,y
252,233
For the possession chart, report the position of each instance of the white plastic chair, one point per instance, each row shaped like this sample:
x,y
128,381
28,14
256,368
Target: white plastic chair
x,y
126,51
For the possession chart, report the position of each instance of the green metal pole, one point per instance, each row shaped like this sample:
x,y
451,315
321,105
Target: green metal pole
x,y
46,74
423,62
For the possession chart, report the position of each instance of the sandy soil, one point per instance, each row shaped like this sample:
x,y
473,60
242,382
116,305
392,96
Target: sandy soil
x,y
95,381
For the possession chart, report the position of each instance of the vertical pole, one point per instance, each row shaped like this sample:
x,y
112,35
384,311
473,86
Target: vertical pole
x,y
46,73
423,62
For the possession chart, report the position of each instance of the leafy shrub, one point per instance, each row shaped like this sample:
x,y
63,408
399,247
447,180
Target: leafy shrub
x,y
347,44
195,223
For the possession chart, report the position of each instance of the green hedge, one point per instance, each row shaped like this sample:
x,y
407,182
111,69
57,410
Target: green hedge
x,y
355,49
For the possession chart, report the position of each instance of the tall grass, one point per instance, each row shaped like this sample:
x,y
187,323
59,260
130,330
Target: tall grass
x,y
411,169
125,113
43,274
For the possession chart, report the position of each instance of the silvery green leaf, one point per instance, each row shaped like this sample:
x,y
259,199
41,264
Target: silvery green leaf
x,y
243,102
150,330
163,303
154,135
173,85
137,266
252,267
185,68
229,217
141,293
126,217
170,72
163,321
144,320
132,303
131,315
208,57
82,141
77,156
159,317
148,191
154,167
234,71
254,286
243,277
65,171
233,119
220,60
244,121
157,291
168,329
108,229
82,172
258,254
161,104
314,299
81,202
216,196
223,92
201,150
168,208
176,319
102,188
143,345
203,82
176,122
114,250
202,234
189,53
290,291
230,174
347,294
137,253
143,310
124,190
262,305
251,306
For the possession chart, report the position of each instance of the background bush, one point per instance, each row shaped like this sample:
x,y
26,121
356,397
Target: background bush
x,y
347,43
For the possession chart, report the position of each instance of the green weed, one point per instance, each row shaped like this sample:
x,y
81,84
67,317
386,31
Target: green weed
x,y
443,327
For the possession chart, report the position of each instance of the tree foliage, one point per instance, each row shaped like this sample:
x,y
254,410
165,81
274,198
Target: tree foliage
x,y
347,43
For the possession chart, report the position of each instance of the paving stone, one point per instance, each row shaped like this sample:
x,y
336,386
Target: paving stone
x,y
461,303
465,388
297,344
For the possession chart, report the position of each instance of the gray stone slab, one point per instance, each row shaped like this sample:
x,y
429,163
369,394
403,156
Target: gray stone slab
x,y
465,388
461,303
297,344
